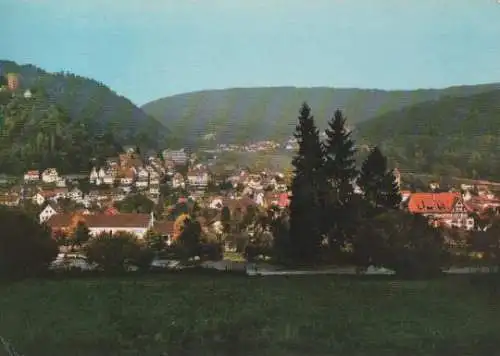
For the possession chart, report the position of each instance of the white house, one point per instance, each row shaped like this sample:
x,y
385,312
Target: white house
x,y
126,180
50,175
154,181
93,175
216,203
142,174
101,173
198,177
108,179
61,182
154,189
75,194
39,199
137,224
47,213
178,181
142,184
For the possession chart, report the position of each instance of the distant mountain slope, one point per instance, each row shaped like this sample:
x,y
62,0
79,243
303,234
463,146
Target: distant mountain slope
x,y
257,113
84,98
456,136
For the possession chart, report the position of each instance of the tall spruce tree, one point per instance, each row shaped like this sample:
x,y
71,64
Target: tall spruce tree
x,y
340,172
378,183
306,187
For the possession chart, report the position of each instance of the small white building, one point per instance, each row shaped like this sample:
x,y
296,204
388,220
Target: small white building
x,y
50,175
47,213
39,199
75,194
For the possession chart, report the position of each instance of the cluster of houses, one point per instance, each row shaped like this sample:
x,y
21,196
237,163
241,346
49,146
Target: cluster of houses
x,y
457,208
130,174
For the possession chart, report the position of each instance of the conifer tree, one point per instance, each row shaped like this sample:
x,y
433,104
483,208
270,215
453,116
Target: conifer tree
x,y
378,183
340,172
305,207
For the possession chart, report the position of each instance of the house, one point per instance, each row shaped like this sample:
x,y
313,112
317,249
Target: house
x,y
154,189
132,223
142,174
447,208
198,177
40,198
93,176
179,157
50,175
59,193
75,194
165,229
108,179
284,200
434,186
216,203
154,181
405,195
32,176
141,184
240,204
9,199
178,181
47,213
61,182
127,177
154,176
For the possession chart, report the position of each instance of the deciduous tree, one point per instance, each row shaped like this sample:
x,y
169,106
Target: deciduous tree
x,y
26,247
403,242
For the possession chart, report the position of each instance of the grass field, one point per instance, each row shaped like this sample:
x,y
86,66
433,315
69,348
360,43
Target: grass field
x,y
230,315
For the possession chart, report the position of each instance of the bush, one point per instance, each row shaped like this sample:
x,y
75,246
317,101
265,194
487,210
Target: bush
x,y
112,252
212,251
402,242
26,247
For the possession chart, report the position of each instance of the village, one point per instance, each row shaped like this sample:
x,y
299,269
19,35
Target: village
x,y
60,200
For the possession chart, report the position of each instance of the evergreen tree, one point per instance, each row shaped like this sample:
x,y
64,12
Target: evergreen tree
x,y
305,206
378,183
340,172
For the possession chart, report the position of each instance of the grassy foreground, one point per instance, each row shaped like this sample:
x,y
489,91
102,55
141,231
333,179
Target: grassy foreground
x,y
231,315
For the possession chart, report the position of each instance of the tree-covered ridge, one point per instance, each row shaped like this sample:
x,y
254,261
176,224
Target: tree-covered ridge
x,y
84,98
455,136
35,133
241,114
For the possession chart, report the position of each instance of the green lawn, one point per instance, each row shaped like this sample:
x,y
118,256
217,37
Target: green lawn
x,y
230,315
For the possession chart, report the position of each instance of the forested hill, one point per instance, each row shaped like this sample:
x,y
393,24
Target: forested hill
x,y
82,98
455,136
37,134
241,114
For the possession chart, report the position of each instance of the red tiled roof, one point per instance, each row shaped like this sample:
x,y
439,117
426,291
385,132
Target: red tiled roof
x,y
164,227
283,200
432,202
102,220
118,221
59,221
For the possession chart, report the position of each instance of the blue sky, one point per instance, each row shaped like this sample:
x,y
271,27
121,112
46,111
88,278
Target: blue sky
x,y
147,49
